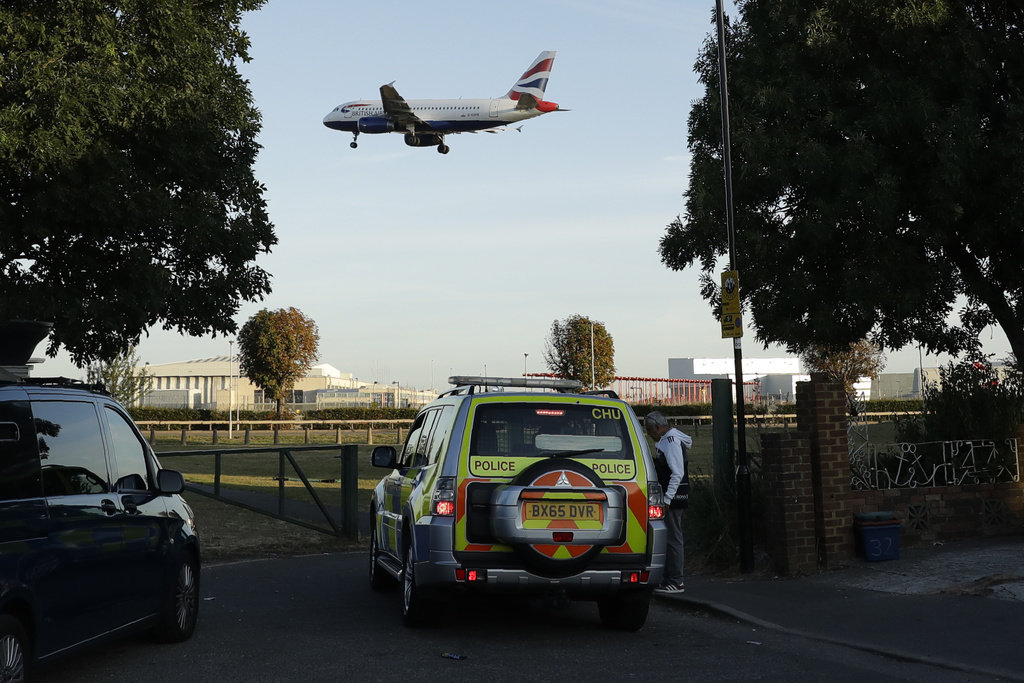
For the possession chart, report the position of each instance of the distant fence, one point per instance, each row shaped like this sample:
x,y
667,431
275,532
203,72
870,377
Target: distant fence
x,y
278,428
657,390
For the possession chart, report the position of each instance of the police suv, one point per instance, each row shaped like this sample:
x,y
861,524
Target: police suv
x,y
520,484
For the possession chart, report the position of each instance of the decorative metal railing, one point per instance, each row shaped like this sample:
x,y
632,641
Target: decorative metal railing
x,y
860,445
935,463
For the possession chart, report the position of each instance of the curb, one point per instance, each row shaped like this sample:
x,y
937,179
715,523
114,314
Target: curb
x,y
725,610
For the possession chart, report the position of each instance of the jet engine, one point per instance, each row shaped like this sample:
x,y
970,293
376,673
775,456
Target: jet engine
x,y
422,139
375,124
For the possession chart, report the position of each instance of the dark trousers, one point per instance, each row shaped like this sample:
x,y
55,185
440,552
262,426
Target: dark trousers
x,y
674,549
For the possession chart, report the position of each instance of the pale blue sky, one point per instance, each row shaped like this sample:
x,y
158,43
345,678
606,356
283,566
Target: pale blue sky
x,y
415,265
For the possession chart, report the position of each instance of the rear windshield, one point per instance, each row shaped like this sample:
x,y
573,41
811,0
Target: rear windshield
x,y
548,429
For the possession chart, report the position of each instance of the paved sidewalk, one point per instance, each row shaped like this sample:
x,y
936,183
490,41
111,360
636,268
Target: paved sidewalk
x,y
957,605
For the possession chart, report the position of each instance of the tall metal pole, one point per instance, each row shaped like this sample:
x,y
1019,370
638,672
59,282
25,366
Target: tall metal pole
x,y
592,374
231,352
743,507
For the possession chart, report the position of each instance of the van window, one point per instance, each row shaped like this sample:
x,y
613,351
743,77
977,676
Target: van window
x,y
418,456
129,453
442,426
548,429
70,448
19,465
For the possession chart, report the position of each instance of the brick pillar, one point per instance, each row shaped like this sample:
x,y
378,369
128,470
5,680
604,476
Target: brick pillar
x,y
789,503
821,414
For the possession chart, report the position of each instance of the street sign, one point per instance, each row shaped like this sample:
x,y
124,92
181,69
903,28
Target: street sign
x,y
730,293
732,327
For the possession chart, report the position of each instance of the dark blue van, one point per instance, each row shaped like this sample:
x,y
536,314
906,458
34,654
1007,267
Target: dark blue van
x,y
95,540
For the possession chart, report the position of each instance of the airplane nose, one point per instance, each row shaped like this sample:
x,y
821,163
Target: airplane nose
x,y
332,122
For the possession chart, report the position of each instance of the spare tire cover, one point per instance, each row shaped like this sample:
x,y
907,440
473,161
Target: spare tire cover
x,y
557,560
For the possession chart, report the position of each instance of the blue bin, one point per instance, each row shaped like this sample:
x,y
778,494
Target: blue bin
x,y
879,540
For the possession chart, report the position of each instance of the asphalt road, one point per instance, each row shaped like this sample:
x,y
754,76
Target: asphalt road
x,y
315,619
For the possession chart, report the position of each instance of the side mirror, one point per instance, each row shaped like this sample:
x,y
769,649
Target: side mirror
x,y
169,481
385,456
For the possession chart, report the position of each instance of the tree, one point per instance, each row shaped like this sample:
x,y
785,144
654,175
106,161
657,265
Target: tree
x,y
122,378
846,365
567,351
877,164
277,348
127,195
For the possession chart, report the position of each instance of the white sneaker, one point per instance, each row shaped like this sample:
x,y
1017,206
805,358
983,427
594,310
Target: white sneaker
x,y
669,588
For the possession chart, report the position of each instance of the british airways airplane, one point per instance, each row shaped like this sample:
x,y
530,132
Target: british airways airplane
x,y
425,123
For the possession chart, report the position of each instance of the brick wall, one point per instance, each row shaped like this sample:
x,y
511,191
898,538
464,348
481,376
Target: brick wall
x,y
810,503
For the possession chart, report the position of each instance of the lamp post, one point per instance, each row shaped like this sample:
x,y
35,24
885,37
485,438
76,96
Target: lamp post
x,y
231,374
398,394
526,371
592,360
743,507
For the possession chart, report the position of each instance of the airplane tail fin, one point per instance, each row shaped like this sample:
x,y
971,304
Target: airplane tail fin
x,y
535,79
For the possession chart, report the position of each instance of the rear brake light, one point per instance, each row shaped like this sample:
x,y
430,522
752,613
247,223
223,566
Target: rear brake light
x,y
562,537
443,501
471,575
655,501
636,577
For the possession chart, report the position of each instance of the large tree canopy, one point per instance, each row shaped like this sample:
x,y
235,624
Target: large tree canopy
x,y
878,155
277,348
127,197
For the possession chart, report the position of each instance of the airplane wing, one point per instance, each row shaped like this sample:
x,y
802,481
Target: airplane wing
x,y
397,109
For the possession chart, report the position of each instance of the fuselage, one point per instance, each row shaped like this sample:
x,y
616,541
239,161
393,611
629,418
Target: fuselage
x,y
438,116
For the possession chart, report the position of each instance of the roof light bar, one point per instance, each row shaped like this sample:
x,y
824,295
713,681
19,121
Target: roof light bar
x,y
530,382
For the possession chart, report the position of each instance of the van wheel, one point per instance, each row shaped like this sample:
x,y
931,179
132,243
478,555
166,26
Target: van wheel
x,y
13,649
416,608
181,606
380,580
624,612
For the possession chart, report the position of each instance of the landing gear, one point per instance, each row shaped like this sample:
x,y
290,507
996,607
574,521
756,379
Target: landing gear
x,y
443,148
355,136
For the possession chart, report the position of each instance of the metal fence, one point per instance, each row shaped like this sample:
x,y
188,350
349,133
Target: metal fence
x,y
315,515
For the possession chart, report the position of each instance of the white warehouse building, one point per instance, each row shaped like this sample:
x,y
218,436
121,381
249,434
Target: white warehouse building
x,y
215,383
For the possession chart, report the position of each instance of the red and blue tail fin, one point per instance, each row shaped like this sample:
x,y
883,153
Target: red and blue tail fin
x,y
535,80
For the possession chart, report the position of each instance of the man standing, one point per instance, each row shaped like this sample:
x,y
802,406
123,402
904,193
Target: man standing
x,y
670,463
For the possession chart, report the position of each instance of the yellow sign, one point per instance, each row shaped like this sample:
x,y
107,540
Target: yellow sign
x,y
730,293
732,327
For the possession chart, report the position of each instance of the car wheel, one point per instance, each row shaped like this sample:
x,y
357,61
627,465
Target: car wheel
x,y
380,580
181,606
624,612
13,650
415,608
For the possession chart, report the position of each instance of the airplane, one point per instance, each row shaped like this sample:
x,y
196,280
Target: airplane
x,y
425,123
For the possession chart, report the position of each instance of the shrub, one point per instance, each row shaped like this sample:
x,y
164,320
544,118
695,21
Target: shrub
x,y
711,524
972,401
